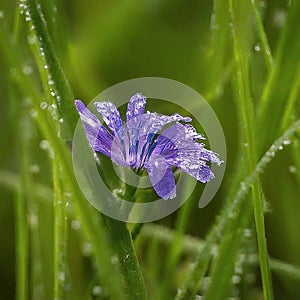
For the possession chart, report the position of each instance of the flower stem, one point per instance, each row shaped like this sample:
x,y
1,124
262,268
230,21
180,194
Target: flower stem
x,y
121,241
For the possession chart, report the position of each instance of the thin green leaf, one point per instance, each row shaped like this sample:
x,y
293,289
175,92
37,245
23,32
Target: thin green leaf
x,y
247,112
263,37
199,268
285,70
57,80
60,232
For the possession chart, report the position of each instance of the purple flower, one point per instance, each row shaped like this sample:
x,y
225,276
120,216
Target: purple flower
x,y
145,141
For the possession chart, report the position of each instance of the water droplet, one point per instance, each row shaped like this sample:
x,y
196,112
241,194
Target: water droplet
x,y
52,93
43,105
214,250
61,120
286,142
247,233
257,48
31,39
46,67
61,276
27,101
205,283
53,110
279,18
114,259
97,158
33,113
280,147
238,270
263,4
50,82
75,224
292,169
126,258
27,70
34,169
236,279
87,249
243,185
68,194
97,290
2,14
45,145
33,220
246,144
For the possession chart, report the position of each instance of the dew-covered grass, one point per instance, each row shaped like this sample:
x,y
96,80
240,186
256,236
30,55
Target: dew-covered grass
x,y
243,57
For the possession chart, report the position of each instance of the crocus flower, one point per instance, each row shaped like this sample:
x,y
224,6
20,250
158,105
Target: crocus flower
x,y
148,140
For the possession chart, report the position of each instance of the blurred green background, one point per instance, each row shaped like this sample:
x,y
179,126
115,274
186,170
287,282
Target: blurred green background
x,y
101,43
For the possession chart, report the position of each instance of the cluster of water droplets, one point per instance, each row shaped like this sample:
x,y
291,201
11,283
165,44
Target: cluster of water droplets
x,y
24,10
270,154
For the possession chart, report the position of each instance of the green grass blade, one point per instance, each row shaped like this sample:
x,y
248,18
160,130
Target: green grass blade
x,y
285,269
57,80
218,48
247,112
199,268
60,233
293,96
223,266
285,70
93,231
22,228
263,37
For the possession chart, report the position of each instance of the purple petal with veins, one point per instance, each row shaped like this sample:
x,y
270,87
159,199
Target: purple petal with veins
x,y
136,106
161,177
97,135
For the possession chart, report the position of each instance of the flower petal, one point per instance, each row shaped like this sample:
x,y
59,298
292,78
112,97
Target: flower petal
x,y
181,149
136,106
110,115
98,137
150,124
161,177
